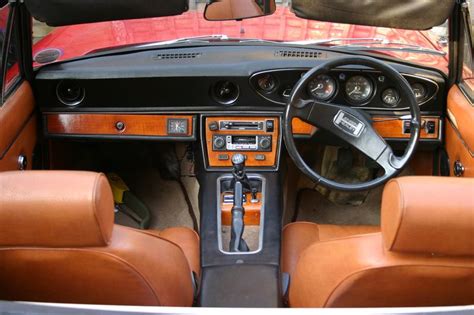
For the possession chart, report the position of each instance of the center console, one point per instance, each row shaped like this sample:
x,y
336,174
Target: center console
x,y
241,211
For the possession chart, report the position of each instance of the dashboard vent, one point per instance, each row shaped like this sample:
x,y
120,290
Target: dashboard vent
x,y
177,56
298,54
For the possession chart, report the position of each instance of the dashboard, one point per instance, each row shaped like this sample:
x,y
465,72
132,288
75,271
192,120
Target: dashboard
x,y
182,94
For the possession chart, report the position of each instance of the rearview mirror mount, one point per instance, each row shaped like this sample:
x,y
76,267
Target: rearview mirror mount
x,y
222,10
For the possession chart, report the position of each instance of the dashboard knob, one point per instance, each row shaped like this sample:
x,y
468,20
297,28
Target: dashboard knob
x,y
219,143
265,143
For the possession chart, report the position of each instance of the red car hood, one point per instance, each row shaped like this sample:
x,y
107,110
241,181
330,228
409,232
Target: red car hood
x,y
283,25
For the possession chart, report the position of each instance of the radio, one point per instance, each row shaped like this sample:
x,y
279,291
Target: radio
x,y
239,125
261,143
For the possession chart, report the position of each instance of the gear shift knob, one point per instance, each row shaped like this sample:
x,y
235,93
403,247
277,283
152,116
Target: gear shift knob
x,y
238,161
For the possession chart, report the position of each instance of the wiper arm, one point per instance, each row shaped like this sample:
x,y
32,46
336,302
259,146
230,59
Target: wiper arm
x,y
201,38
334,40
386,46
205,39
371,43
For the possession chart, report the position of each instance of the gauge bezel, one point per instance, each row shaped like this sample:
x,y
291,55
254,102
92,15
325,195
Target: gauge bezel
x,y
369,98
425,97
330,97
275,86
386,105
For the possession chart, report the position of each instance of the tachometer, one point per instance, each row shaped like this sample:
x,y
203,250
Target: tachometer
x,y
359,89
322,88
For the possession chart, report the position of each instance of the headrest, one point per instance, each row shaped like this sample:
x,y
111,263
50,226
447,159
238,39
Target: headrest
x,y
429,215
55,209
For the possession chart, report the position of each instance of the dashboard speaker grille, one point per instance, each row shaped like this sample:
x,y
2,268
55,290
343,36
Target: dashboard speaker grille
x,y
298,54
177,56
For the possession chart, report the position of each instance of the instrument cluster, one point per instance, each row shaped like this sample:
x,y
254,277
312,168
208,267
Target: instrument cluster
x,y
353,87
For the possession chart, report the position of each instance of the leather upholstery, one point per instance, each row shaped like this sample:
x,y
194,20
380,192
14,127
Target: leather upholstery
x,y
185,238
432,215
106,264
300,235
55,209
365,271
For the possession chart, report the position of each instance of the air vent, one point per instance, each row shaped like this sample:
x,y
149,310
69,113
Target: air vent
x,y
298,54
70,93
47,55
177,56
225,92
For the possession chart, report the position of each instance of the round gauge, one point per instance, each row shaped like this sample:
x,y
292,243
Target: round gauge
x,y
390,97
266,83
419,90
322,88
359,89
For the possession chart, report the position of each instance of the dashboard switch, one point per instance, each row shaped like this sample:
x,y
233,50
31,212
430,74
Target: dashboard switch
x,y
270,125
260,157
213,126
430,127
120,126
406,126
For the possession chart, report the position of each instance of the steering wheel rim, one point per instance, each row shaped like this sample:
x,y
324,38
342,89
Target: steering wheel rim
x,y
368,141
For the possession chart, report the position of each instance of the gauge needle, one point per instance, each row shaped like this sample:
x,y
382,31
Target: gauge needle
x,y
318,87
356,89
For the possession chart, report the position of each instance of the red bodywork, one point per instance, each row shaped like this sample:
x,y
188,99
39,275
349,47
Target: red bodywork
x,y
283,25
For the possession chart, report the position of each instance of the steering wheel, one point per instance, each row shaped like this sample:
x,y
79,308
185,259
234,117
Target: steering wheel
x,y
350,124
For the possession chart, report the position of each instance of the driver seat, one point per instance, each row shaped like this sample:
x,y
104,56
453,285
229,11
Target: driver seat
x,y
423,256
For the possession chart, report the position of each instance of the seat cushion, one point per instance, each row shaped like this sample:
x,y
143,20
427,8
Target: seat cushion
x,y
186,239
298,236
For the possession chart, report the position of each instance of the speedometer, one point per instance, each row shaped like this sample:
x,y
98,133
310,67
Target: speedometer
x,y
359,89
322,88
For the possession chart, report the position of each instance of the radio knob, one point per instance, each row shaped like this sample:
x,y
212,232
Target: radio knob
x,y
219,143
265,143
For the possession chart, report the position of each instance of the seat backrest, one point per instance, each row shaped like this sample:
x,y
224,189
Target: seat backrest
x,y
58,243
424,255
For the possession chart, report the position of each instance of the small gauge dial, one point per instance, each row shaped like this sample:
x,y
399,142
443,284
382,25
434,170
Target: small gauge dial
x,y
322,88
420,91
359,89
266,83
390,97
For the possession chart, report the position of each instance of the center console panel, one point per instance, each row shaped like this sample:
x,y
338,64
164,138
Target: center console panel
x,y
258,138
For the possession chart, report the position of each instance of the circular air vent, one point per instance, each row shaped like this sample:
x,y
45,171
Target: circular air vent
x,y
70,93
47,55
225,92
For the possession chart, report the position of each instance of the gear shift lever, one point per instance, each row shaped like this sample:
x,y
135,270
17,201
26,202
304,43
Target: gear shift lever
x,y
237,244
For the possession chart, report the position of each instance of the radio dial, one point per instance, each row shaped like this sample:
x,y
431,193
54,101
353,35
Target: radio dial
x,y
219,143
265,143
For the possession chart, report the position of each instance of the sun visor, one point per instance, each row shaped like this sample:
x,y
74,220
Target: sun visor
x,y
404,14
68,12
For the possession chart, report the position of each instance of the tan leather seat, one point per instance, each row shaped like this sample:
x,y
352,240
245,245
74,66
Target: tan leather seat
x,y
423,256
58,243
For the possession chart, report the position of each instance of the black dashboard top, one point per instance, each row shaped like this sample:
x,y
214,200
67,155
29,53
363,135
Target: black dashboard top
x,y
237,77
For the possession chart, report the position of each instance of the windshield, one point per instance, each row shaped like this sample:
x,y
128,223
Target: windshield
x,y
62,43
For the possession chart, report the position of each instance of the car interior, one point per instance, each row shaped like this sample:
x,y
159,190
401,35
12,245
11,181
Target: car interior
x,y
221,173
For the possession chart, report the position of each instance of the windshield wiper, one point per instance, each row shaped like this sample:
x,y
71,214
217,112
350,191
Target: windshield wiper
x,y
371,43
205,39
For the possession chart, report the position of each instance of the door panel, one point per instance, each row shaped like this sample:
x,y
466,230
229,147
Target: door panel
x,y
17,128
460,131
